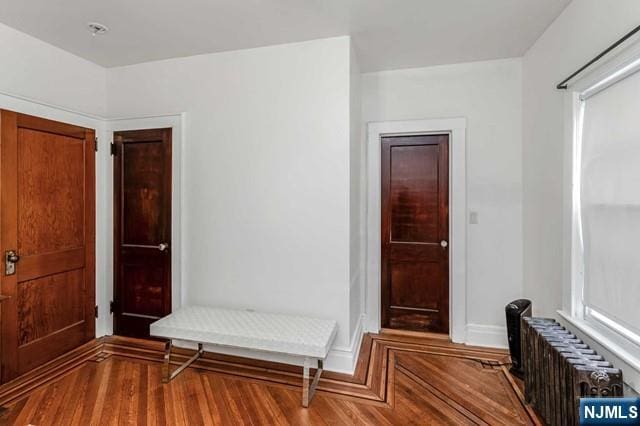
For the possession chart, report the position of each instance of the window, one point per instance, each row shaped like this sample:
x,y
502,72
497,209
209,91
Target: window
x,y
607,201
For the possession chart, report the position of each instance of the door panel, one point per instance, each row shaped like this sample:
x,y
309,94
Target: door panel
x,y
48,304
412,285
142,222
48,218
143,288
50,192
415,194
143,197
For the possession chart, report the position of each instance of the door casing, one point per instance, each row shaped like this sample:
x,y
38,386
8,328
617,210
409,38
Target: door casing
x,y
456,128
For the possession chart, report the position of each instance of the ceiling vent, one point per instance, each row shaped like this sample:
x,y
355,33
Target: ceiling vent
x,y
97,29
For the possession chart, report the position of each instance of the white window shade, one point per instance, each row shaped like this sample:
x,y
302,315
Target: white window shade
x,y
610,202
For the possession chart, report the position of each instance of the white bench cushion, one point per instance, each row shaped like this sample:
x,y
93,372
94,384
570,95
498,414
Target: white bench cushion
x,y
286,334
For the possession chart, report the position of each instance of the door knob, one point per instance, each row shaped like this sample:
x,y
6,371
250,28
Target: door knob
x,y
444,243
10,260
163,246
12,256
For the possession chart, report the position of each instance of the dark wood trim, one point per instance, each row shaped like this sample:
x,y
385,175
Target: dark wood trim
x,y
444,222
148,135
42,124
8,237
117,238
49,372
385,227
90,231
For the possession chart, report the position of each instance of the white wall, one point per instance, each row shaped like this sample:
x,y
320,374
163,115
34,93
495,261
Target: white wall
x,y
488,94
584,29
39,71
357,185
267,194
39,79
266,173
273,176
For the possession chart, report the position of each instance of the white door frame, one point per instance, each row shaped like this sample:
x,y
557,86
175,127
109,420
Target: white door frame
x,y
456,128
176,123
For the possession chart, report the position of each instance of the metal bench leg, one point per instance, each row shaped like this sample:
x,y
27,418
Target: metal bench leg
x,y
308,389
167,375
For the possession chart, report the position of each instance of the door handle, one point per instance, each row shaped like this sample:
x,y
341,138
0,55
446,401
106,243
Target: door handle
x,y
163,246
444,244
10,260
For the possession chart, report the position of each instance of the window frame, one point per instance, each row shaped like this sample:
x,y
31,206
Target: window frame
x,y
606,331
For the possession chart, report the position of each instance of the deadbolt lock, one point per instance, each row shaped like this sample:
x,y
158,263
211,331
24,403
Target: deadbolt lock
x,y
10,260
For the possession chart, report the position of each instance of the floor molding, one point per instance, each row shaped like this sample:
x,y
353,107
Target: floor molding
x,y
371,382
49,372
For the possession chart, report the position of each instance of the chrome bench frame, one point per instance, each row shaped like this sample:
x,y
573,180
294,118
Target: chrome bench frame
x,y
308,385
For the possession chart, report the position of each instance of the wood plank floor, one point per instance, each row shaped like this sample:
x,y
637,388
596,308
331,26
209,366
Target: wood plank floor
x,y
399,380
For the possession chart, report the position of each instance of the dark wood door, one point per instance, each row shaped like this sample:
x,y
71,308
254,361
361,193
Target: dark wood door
x,y
142,229
47,185
415,233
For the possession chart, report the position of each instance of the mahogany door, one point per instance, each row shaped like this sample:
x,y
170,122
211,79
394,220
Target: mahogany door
x,y
415,233
142,229
47,239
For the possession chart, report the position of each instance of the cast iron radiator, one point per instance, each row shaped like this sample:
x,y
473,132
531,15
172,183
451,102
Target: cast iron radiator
x,y
559,369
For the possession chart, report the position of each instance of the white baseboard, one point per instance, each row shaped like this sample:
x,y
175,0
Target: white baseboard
x,y
492,336
344,359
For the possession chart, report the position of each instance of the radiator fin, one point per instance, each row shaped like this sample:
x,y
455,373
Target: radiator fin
x,y
559,369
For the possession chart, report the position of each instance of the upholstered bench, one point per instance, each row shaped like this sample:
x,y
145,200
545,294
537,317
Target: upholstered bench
x,y
307,339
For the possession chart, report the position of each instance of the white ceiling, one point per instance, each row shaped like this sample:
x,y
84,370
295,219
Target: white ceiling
x,y
388,34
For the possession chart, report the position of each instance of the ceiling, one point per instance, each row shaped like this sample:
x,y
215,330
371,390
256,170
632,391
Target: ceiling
x,y
388,34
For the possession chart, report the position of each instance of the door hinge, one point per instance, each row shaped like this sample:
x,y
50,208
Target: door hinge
x,y
114,149
96,311
111,306
95,141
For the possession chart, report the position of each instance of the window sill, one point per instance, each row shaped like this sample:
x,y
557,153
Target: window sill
x,y
622,353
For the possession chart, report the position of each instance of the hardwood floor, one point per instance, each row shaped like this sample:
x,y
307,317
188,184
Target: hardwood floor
x,y
398,380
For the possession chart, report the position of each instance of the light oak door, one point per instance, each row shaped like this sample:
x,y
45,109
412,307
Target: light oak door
x,y
415,232
47,240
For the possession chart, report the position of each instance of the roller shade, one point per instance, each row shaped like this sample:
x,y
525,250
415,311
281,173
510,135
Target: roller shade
x,y
610,202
